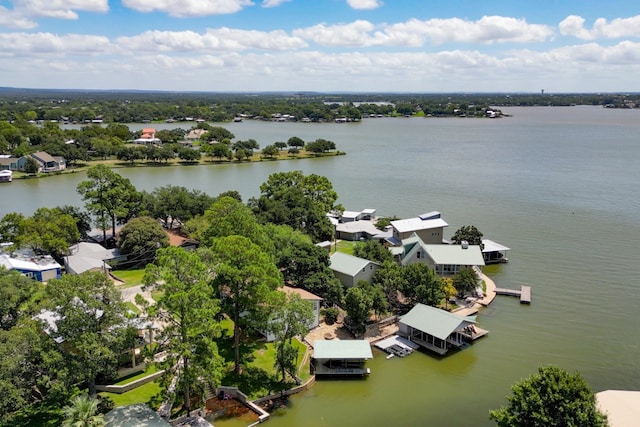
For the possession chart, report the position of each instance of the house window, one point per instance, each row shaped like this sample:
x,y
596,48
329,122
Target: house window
x,y
371,267
418,254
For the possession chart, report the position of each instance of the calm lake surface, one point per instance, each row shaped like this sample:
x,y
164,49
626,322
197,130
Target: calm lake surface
x,y
560,186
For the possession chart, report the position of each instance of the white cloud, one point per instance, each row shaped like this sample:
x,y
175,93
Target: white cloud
x,y
364,4
188,8
415,33
11,19
273,3
221,39
28,44
573,25
24,12
356,33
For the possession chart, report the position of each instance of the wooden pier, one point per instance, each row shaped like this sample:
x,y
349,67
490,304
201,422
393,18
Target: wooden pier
x,y
524,293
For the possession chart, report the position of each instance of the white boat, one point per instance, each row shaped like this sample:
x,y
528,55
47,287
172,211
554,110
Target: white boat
x,y
6,176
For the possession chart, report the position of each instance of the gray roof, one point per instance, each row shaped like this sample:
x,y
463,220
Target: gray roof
x,y
138,415
358,227
342,349
88,256
348,264
43,156
434,321
491,246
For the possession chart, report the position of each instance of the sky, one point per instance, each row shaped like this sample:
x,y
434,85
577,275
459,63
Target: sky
x,y
419,46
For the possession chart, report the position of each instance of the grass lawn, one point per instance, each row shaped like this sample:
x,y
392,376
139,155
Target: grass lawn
x,y
130,277
142,394
346,246
131,306
150,370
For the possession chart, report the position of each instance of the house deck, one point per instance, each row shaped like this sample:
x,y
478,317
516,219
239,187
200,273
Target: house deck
x,y
397,346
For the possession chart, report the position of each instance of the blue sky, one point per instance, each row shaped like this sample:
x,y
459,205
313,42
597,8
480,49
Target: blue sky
x,y
322,45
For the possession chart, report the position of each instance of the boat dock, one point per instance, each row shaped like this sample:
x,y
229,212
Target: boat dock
x,y
524,293
396,346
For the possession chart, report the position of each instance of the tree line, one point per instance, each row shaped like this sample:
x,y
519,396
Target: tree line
x,y
114,141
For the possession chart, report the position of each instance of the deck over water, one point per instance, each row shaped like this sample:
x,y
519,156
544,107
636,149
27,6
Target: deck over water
x,y
524,293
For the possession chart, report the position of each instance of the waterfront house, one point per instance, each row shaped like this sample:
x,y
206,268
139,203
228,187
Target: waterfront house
x,y
40,268
444,259
494,253
429,227
313,299
88,256
351,269
8,163
49,163
195,134
341,357
435,329
148,137
46,162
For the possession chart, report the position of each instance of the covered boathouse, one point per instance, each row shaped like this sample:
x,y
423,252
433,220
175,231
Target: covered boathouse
x,y
341,357
438,330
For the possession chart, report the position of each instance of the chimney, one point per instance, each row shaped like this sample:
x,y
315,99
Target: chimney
x,y
464,244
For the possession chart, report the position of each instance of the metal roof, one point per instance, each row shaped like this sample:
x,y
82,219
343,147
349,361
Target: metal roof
x,y
434,321
454,254
348,264
342,349
491,246
415,224
136,415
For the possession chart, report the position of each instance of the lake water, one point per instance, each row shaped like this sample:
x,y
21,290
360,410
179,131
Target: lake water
x,y
557,185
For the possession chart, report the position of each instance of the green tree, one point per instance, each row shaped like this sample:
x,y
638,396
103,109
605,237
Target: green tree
x,y
295,142
82,218
299,201
108,196
245,276
49,231
32,370
175,204
422,284
11,227
228,216
140,238
465,281
552,397
468,233
189,154
31,166
291,317
358,304
373,251
188,310
90,321
15,291
270,151
391,279
82,412
449,290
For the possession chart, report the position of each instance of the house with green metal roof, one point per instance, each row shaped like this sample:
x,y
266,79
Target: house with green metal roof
x,y
341,357
444,259
351,269
437,330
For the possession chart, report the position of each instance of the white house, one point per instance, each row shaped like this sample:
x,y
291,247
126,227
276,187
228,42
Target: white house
x,y
313,299
429,227
444,259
